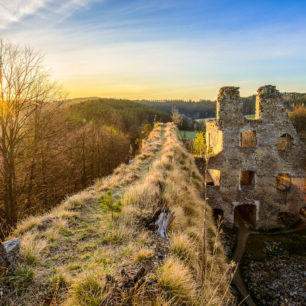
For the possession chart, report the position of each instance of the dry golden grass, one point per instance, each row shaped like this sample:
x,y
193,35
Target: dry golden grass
x,y
89,290
31,248
176,280
143,254
182,246
142,195
83,243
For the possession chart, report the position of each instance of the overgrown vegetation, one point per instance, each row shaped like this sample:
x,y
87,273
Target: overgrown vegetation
x,y
120,259
298,118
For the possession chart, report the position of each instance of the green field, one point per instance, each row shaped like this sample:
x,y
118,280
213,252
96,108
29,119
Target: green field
x,y
188,134
250,117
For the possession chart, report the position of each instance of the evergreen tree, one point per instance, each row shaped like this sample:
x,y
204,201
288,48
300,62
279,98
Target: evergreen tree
x,y
199,144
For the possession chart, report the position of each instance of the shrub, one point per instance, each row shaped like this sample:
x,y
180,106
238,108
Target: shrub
x,y
147,129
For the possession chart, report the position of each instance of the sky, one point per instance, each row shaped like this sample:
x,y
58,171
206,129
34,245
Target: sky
x,y
163,49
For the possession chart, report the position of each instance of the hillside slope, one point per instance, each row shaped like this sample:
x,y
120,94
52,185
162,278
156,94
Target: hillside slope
x,y
101,247
65,149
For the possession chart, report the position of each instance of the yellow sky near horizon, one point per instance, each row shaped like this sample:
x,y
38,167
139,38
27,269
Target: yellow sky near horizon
x,y
162,49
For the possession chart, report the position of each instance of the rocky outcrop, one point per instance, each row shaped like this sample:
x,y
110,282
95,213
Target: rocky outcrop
x,y
8,252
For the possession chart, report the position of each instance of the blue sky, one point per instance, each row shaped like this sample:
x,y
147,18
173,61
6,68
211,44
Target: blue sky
x,y
163,48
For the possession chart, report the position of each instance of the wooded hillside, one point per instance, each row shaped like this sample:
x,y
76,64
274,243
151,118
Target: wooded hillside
x,y
67,147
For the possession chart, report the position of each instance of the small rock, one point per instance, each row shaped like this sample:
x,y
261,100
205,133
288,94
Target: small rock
x,y
12,248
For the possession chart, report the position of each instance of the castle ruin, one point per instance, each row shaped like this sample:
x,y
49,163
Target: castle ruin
x,y
256,166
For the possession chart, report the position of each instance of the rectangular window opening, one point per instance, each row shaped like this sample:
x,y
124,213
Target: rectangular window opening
x,y
247,178
213,177
248,139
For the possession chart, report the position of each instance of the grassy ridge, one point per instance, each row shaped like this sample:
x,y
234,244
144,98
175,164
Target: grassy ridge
x,y
82,253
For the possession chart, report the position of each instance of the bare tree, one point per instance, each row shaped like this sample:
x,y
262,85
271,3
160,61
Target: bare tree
x,y
26,89
176,117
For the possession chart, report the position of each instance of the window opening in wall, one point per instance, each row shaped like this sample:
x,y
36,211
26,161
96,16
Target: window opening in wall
x,y
283,181
213,177
248,139
284,143
247,178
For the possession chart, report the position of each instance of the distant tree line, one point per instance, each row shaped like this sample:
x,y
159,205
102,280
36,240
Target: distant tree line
x,y
201,109
207,108
298,118
196,110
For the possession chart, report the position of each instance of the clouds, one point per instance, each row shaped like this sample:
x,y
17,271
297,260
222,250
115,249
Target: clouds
x,y
15,11
170,48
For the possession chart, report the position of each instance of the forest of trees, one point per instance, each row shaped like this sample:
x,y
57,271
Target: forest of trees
x,y
207,108
298,118
295,99
50,148
67,147
196,110
201,109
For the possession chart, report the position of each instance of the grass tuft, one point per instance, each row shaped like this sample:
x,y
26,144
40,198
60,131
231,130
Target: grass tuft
x,y
89,290
20,278
143,254
176,280
182,246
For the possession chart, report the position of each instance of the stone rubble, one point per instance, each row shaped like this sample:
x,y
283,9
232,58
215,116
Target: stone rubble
x,y
278,280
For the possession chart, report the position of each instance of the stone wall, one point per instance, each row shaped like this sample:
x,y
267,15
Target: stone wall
x,y
276,150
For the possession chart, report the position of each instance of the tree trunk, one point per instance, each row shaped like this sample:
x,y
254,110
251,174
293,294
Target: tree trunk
x,y
10,201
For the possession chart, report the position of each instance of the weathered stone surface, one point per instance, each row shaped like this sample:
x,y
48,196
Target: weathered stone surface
x,y
12,248
162,223
3,256
8,252
271,147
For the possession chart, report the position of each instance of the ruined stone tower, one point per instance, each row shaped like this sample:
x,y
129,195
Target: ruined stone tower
x,y
256,166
